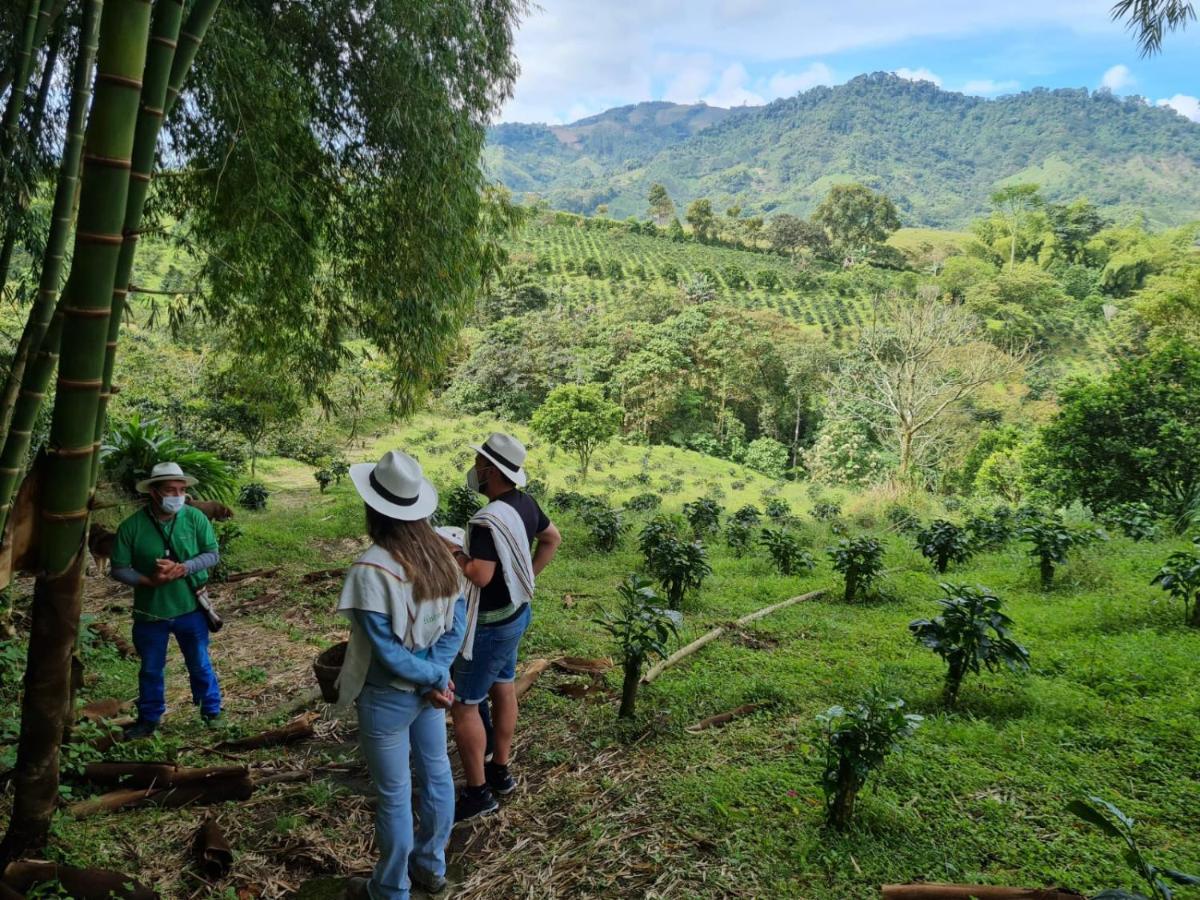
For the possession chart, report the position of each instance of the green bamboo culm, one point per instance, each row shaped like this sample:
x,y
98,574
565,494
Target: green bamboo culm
x,y
160,56
22,70
29,373
121,58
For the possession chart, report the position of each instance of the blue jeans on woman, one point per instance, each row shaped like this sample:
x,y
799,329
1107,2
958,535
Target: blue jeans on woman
x,y
150,639
392,726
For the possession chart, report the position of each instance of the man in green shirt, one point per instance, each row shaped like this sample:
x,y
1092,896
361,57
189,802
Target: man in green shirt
x,y
164,551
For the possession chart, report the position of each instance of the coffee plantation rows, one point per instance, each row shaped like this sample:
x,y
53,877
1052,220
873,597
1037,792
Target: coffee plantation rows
x,y
593,266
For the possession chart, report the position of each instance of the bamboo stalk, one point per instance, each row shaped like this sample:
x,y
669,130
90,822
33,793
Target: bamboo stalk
x,y
121,58
710,636
21,397
22,70
532,673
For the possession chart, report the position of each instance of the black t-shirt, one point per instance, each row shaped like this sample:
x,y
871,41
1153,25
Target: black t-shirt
x,y
483,546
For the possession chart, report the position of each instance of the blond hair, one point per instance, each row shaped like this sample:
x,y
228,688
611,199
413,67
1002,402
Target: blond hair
x,y
427,562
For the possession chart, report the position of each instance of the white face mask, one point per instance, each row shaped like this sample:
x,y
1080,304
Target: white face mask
x,y
172,504
473,480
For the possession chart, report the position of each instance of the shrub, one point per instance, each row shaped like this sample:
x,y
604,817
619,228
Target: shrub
x,y
536,488
655,532
135,447
1050,541
253,496
777,508
860,562
324,479
943,543
960,636
458,506
1180,577
826,510
606,527
738,535
857,740
767,279
787,552
704,515
747,515
1097,812
768,456
227,533
902,519
644,502
991,532
1135,520
679,565
641,629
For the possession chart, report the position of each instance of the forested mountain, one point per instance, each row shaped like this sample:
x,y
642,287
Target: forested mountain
x,y
938,154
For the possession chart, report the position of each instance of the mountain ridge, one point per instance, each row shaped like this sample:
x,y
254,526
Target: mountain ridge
x,y
939,154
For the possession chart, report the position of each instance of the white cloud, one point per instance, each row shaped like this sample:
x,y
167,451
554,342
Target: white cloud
x,y
1184,105
921,74
733,89
1117,77
690,76
987,87
787,84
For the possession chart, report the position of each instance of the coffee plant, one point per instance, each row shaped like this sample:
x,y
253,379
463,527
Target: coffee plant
x,y
786,551
1113,822
826,510
991,532
227,534
857,740
679,565
1179,576
1136,521
704,515
738,535
644,502
901,519
1050,542
971,634
606,527
641,629
253,496
860,562
458,506
943,543
657,531
747,515
324,479
777,508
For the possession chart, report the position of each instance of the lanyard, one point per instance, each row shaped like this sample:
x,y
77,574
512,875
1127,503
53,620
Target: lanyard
x,y
168,550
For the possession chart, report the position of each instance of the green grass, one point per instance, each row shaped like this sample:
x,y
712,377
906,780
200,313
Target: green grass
x,y
1109,707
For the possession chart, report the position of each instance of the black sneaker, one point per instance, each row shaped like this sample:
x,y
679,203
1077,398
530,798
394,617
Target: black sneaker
x,y
427,881
498,779
474,802
139,730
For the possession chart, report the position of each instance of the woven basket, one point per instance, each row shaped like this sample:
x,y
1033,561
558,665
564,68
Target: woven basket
x,y
327,666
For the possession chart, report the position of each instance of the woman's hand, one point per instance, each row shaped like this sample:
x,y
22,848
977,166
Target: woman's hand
x,y
440,699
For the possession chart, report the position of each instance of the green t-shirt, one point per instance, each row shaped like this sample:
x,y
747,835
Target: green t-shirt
x,y
140,544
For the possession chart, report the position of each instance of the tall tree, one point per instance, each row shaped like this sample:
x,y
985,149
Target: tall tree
x,y
662,209
857,219
700,216
918,358
1014,203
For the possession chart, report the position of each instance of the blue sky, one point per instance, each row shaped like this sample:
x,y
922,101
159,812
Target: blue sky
x,y
579,58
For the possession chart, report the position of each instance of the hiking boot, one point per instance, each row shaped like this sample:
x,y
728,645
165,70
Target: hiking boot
x,y
498,779
139,730
427,881
356,889
474,802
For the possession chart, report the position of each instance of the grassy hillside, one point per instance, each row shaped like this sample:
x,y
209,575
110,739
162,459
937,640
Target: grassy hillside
x,y
938,154
647,808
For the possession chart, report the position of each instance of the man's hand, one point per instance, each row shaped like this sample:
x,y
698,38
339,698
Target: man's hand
x,y
167,571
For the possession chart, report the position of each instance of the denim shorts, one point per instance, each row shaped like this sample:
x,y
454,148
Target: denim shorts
x,y
493,661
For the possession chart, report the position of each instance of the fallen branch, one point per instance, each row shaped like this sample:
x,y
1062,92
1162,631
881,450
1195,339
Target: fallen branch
x,y
212,790
973,892
531,674
299,729
82,884
214,856
724,718
154,775
260,600
106,632
323,575
578,665
710,636
253,573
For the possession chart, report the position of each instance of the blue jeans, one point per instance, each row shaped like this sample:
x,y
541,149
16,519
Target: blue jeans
x,y
150,639
493,658
392,725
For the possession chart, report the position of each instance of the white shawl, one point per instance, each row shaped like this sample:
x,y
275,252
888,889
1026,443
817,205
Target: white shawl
x,y
516,562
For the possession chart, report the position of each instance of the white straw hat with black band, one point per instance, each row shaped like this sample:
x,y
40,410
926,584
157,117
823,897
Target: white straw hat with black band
x,y
164,471
396,487
507,454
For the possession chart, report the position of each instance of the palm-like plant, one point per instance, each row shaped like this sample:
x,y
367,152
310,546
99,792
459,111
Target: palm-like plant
x,y
135,447
1180,577
641,629
1149,20
857,740
1113,822
971,634
944,542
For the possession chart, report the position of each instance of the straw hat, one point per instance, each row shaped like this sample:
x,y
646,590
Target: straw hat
x,y
164,471
395,486
507,454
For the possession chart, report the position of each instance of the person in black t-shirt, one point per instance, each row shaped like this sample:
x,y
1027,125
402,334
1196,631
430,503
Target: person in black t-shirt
x,y
499,474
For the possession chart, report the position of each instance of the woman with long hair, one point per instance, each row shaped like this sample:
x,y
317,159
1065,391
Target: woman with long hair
x,y
408,616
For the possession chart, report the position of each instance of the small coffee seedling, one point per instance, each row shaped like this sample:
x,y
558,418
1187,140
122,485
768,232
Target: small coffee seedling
x,y
678,564
324,479
606,527
1180,577
943,543
458,506
253,496
777,509
1136,521
971,634
787,552
647,502
1113,822
860,562
704,515
857,740
991,532
748,515
1051,541
641,629
738,535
